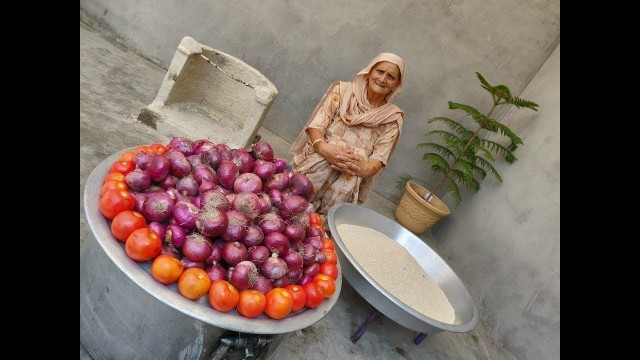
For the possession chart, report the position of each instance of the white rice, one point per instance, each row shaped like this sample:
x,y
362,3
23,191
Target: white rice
x,y
393,268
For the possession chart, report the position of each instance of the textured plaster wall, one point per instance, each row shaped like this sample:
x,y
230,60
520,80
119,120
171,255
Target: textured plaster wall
x,y
303,46
505,242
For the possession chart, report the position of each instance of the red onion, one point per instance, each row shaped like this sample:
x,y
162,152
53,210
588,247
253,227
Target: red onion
x,y
293,259
265,202
204,173
320,257
139,201
278,181
243,275
276,242
190,263
247,182
187,185
206,186
197,247
304,280
262,284
212,158
243,160
142,159
254,235
280,164
158,168
234,252
293,208
308,253
216,272
258,254
225,154
215,199
178,162
168,249
227,173
247,203
264,169
237,226
139,180
270,222
281,282
262,150
157,228
294,232
301,185
204,145
175,234
274,267
276,197
211,221
184,145
314,231
294,275
168,182
316,241
230,197
184,213
157,207
311,269
195,160
216,253
223,147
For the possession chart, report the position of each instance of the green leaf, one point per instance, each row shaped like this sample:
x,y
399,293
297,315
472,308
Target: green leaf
x,y
522,103
454,125
454,191
440,149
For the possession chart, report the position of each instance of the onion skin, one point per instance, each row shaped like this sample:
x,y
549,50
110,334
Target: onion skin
x,y
187,185
227,173
247,182
294,232
142,159
237,226
280,164
243,160
216,272
270,222
247,203
262,150
301,185
243,275
138,180
204,173
293,259
158,207
184,145
157,228
211,221
294,275
212,158
274,268
158,168
179,164
190,263
216,199
194,160
234,252
262,284
258,254
197,247
254,236
281,282
276,242
185,214
305,279
263,169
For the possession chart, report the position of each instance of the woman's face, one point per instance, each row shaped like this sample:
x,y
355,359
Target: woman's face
x,y
383,78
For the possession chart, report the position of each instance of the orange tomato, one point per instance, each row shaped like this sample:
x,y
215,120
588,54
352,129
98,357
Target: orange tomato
x,y
314,296
114,201
298,295
325,284
194,283
279,303
331,255
125,223
251,303
328,244
127,156
145,148
223,296
330,269
143,244
118,176
158,148
315,219
113,184
166,269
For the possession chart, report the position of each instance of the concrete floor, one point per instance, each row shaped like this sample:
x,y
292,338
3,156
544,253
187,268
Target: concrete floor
x,y
115,83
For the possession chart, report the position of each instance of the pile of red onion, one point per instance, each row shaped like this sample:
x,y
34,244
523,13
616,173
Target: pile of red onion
x,y
240,214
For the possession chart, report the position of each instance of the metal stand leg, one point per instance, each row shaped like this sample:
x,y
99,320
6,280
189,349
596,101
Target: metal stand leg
x,y
364,326
420,338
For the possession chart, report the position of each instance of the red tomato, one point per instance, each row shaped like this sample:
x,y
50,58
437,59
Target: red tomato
x,y
145,148
158,149
251,303
314,296
223,296
166,269
331,255
325,283
113,184
279,303
123,167
315,219
118,176
125,223
328,244
115,201
330,269
194,283
298,295
144,244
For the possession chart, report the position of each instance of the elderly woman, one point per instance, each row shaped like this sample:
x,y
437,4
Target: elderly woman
x,y
351,134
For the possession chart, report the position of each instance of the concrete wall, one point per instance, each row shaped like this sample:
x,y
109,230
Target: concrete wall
x,y
303,46
505,243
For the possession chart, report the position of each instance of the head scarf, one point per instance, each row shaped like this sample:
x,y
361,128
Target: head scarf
x,y
354,106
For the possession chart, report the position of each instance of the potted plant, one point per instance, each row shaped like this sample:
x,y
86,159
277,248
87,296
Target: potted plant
x,y
461,156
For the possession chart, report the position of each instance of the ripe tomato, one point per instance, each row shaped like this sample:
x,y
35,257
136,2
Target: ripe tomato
x,y
123,167
158,148
127,156
332,257
223,296
325,283
113,184
328,244
315,219
115,201
118,176
279,303
314,296
145,148
330,269
125,223
194,283
251,303
143,244
166,269
298,295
